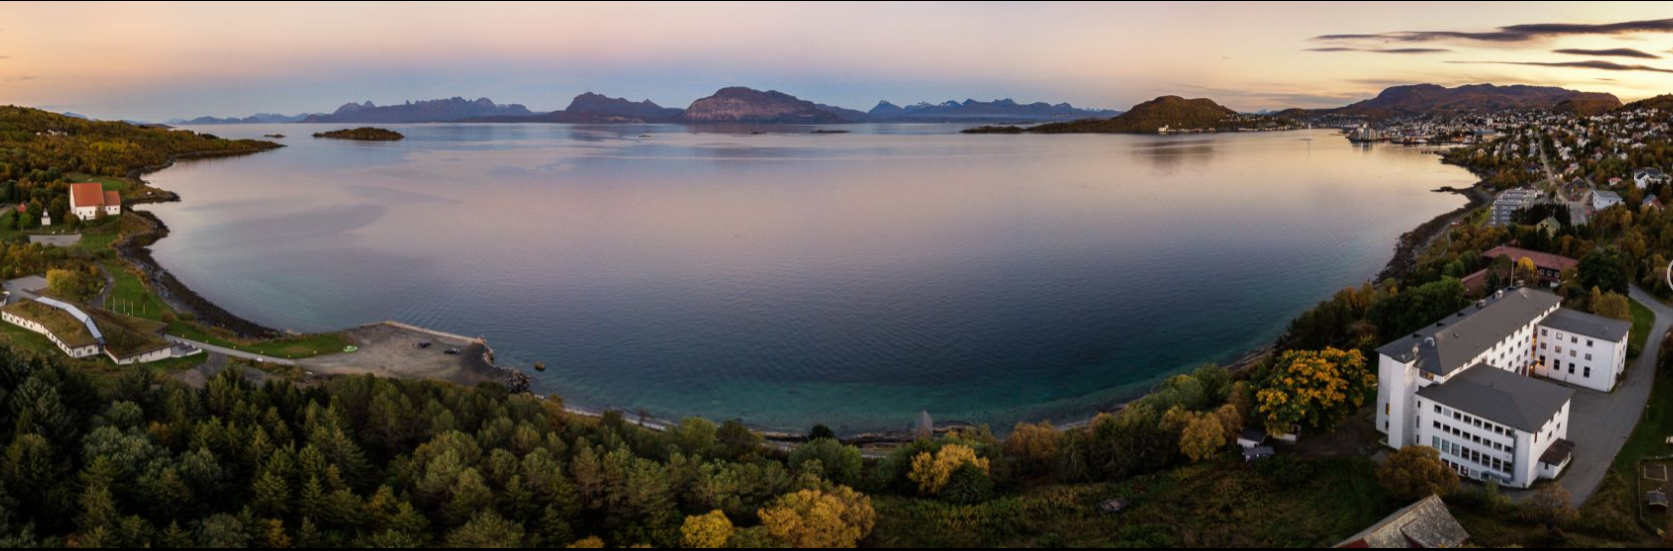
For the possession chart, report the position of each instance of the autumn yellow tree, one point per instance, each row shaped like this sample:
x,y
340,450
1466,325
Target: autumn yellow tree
x,y
1611,305
1414,472
1230,418
1202,437
1033,445
1527,272
589,542
1313,388
840,517
707,531
932,471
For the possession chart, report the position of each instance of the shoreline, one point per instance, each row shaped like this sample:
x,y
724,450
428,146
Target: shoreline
x,y
134,250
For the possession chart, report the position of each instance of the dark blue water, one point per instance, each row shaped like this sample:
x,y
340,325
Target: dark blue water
x,y
789,278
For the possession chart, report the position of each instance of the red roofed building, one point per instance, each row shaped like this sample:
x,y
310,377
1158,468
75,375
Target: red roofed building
x,y
88,200
1550,266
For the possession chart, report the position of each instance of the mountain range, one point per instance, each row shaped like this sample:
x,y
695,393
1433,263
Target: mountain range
x,y
440,110
983,111
258,118
739,104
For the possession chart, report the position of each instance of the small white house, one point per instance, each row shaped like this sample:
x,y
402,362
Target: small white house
x,y
1582,349
1646,177
1605,199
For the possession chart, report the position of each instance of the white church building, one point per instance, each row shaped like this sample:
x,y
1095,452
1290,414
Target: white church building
x,y
88,201
1477,385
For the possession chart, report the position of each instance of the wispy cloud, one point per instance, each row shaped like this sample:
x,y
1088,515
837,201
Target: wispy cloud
x,y
1611,52
1515,33
1382,50
19,79
1590,64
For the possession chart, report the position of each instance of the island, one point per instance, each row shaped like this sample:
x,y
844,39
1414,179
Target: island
x,y
364,133
1163,115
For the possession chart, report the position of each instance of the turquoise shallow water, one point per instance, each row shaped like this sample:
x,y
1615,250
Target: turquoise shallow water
x,y
790,278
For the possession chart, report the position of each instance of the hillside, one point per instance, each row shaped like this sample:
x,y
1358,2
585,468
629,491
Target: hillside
x,y
39,140
1429,99
590,107
441,110
744,105
1662,102
1172,112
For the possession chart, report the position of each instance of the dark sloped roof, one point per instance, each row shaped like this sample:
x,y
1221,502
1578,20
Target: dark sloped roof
x,y
1558,453
1609,329
1523,403
1426,523
1459,338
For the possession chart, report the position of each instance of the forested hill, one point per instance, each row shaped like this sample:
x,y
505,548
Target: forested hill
x,y
1173,112
35,140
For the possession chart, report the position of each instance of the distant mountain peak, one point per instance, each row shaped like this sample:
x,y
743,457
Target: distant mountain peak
x,y
748,105
971,110
451,109
1426,98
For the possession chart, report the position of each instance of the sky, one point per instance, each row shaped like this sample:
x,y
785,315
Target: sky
x,y
155,61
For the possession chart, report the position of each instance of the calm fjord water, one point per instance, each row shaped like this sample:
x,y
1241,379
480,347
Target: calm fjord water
x,y
790,278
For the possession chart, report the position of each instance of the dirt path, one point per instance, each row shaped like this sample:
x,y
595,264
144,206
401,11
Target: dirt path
x,y
395,350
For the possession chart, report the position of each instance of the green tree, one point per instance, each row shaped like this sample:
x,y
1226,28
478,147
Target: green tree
x,y
838,463
487,530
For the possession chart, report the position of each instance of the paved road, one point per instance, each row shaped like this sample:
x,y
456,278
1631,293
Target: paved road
x,y
1599,423
231,352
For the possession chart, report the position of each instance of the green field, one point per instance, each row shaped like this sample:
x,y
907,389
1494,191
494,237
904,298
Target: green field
x,y
1642,321
303,346
130,296
1224,503
110,183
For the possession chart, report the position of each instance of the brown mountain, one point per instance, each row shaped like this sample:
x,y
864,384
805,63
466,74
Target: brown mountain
x,y
744,105
1662,102
1429,99
598,107
1173,112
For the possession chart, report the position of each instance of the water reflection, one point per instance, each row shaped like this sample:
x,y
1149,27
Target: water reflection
x,y
791,278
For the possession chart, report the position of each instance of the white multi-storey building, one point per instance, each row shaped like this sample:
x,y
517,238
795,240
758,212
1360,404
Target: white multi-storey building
x,y
1466,385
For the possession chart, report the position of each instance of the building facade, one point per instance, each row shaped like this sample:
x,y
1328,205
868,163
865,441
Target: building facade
x,y
1468,385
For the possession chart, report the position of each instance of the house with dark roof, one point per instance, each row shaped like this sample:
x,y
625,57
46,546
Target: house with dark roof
x,y
1650,176
1474,385
1425,524
1582,349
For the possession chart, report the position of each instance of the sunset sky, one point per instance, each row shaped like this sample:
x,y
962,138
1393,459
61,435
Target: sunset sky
x,y
154,61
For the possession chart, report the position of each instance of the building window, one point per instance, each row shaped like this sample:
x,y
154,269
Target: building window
x,y
1588,373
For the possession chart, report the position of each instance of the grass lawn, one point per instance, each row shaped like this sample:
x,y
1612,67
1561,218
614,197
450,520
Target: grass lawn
x,y
130,296
1642,321
302,346
1224,503
27,340
110,183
